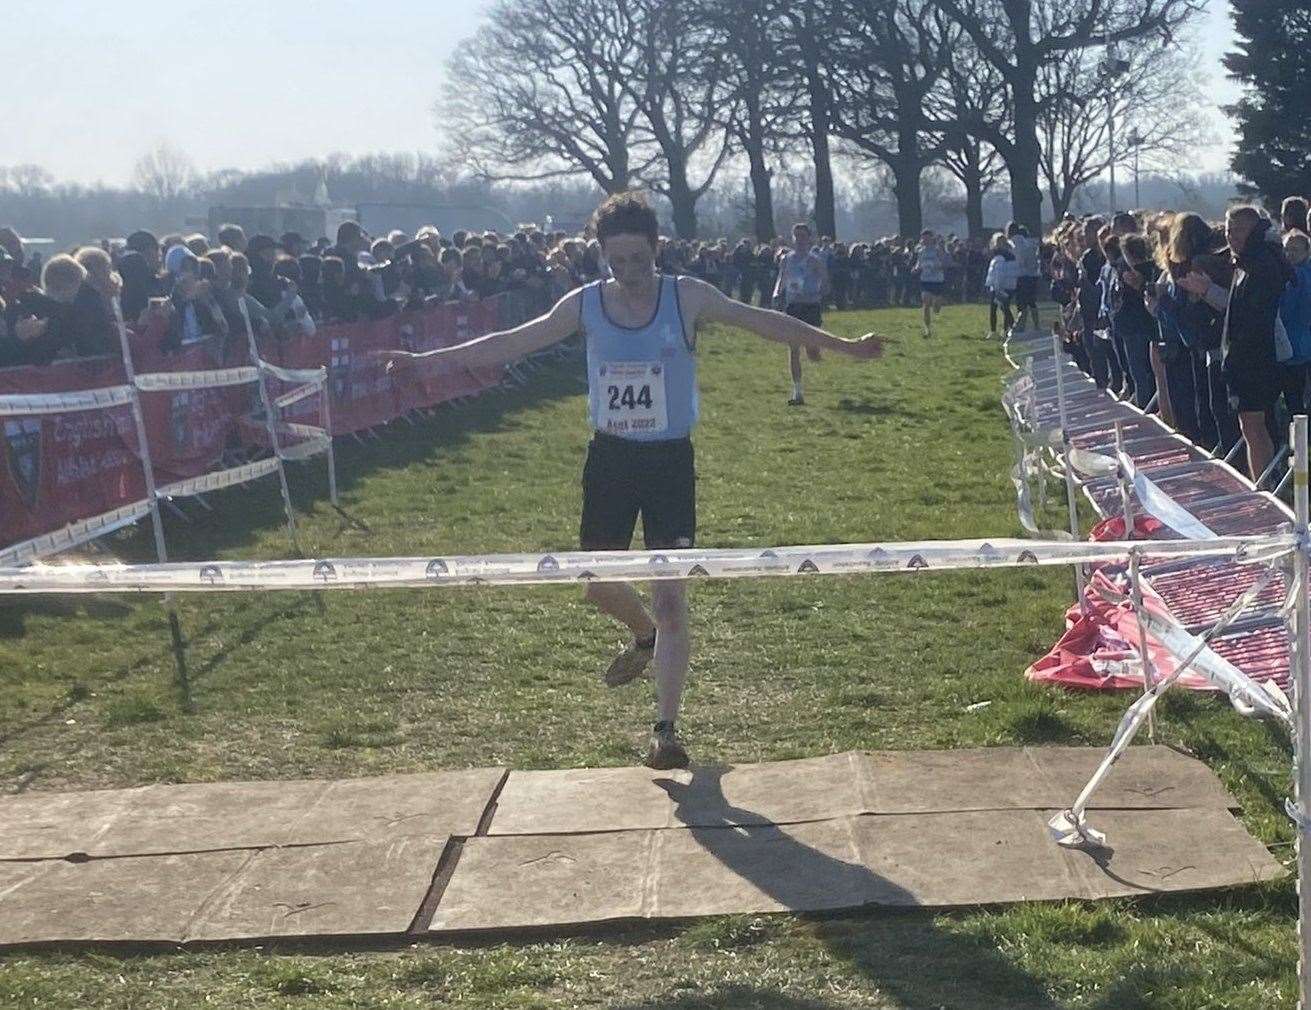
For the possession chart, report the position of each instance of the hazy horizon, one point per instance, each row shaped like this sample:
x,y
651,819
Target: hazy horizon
x,y
265,84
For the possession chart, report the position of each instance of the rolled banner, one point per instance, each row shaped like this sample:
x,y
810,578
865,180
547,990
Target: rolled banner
x,y
219,479
1159,504
28,404
167,382
609,566
1024,505
313,376
304,450
294,396
73,534
1245,694
1093,464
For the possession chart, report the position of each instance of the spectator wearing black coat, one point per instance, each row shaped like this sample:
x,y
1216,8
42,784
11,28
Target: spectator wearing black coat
x,y
265,287
1249,366
77,324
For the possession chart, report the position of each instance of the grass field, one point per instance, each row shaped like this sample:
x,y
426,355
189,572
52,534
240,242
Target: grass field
x,y
913,446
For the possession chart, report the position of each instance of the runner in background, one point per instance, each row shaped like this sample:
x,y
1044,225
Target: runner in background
x,y
800,290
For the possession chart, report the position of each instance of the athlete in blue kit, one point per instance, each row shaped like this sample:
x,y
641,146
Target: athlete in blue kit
x,y
640,329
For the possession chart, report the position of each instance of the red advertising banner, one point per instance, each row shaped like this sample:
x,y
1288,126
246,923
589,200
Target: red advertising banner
x,y
64,466
189,430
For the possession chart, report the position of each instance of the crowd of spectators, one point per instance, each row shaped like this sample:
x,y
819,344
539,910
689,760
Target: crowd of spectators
x,y
1208,324
863,275
194,286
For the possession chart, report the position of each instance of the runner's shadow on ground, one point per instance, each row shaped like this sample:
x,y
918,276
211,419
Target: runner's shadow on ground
x,y
901,952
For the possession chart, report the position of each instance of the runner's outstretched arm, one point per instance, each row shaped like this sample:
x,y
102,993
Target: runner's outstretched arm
x,y
706,303
492,349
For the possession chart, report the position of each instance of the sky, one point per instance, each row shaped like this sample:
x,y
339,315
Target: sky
x,y
244,84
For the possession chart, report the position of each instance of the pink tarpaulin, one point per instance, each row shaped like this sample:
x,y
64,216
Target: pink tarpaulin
x,y
1099,649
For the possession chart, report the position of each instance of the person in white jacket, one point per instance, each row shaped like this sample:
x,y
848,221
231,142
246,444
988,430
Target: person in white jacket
x,y
1000,282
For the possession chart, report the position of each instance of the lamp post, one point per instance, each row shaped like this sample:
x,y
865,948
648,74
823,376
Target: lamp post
x,y
1113,67
1135,141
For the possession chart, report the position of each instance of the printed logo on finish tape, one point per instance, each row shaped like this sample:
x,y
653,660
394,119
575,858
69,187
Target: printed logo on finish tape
x,y
211,575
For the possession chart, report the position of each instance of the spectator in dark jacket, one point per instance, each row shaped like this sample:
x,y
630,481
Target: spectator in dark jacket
x,y
265,287
1252,304
77,322
139,285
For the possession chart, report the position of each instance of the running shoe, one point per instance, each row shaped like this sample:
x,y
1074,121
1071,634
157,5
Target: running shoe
x,y
665,753
630,664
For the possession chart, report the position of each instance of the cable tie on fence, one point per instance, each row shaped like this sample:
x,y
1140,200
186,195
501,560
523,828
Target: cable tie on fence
x,y
1297,815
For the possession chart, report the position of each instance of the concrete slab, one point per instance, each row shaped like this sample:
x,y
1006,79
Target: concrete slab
x,y
849,784
1144,778
966,858
42,825
626,799
267,860
399,806
350,889
814,866
210,816
546,880
140,899
206,817
929,860
1154,851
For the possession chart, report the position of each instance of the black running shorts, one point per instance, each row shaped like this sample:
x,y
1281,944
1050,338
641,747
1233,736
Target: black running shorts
x,y
1026,293
623,479
807,312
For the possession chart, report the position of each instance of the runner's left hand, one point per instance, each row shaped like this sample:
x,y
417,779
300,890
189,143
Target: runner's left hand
x,y
867,347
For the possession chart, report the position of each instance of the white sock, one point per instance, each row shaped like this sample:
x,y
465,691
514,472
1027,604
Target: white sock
x,y
796,391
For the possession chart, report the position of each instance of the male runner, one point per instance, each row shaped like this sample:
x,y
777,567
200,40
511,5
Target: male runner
x,y
1028,275
931,269
640,327
800,290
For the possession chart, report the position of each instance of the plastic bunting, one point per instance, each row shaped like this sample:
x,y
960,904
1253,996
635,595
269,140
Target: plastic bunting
x,y
15,404
1070,828
76,533
168,382
218,479
1028,468
612,566
1159,504
313,376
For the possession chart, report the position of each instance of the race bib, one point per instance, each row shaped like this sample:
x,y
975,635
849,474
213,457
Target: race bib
x,y
631,397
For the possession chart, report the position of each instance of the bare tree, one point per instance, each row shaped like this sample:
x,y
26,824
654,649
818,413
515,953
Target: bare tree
x,y
893,54
806,51
1021,37
764,94
1152,100
971,91
164,173
539,93
25,180
679,85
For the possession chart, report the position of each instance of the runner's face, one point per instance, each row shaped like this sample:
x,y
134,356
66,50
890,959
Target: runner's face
x,y
631,259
